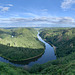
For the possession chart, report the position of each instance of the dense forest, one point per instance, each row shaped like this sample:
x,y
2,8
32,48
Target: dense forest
x,y
62,38
64,41
7,69
20,44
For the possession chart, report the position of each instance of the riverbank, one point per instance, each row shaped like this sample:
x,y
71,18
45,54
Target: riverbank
x,y
54,48
23,59
51,45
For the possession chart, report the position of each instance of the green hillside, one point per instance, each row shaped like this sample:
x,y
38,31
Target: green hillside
x,y
19,44
64,41
62,38
6,69
60,66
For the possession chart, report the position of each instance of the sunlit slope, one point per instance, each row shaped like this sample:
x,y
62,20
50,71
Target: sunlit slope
x,y
19,43
21,37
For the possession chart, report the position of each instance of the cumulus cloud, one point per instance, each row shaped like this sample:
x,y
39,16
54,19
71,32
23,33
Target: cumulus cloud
x,y
66,21
4,8
66,4
40,21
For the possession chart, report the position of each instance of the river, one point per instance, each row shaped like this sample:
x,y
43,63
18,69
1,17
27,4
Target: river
x,y
47,56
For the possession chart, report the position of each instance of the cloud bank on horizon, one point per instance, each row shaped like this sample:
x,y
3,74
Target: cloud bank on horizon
x,y
47,13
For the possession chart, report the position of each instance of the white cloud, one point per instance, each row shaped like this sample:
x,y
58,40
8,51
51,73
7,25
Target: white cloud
x,y
66,4
68,21
5,8
10,5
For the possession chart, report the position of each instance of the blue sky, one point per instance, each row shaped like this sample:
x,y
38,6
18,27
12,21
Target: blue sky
x,y
37,13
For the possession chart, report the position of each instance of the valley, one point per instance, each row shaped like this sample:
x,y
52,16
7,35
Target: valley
x,y
62,38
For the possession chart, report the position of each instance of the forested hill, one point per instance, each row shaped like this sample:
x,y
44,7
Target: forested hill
x,y
64,40
19,44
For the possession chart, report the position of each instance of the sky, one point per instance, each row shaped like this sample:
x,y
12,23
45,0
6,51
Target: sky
x,y
37,13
